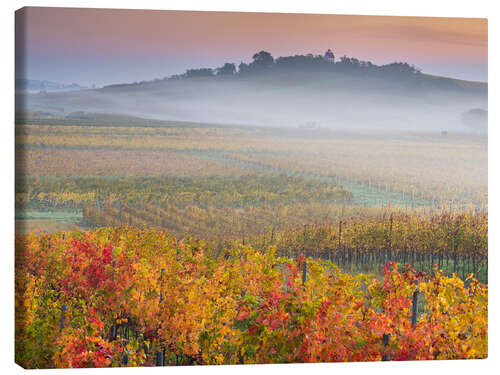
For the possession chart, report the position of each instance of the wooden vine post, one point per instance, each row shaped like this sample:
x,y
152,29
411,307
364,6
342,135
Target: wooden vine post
x,y
414,309
340,238
304,273
455,250
64,308
160,355
159,358
390,239
385,343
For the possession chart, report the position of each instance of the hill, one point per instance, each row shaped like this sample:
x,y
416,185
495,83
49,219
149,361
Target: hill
x,y
337,96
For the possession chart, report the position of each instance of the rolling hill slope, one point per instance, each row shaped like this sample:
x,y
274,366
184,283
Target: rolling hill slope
x,y
332,99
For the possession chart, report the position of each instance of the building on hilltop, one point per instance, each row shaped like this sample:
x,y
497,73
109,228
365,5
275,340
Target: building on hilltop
x,y
329,56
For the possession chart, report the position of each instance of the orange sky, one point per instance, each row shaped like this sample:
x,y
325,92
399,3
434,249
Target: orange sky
x,y
95,45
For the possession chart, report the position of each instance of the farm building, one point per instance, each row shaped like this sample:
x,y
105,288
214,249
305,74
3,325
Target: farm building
x,y
329,56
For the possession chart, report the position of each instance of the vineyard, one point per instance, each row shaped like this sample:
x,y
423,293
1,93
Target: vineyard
x,y
295,214
404,169
455,243
227,245
129,297
218,191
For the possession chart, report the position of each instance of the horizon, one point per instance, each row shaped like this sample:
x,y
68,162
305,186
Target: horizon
x,y
95,86
143,45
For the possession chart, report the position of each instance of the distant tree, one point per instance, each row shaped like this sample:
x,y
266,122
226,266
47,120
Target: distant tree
x,y
400,67
263,57
476,118
203,72
301,62
226,69
351,62
261,60
243,68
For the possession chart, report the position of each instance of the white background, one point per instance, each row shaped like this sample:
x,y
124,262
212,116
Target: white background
x,y
446,8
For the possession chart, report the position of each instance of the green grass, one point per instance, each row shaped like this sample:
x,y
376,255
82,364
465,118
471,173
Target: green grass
x,y
71,216
49,221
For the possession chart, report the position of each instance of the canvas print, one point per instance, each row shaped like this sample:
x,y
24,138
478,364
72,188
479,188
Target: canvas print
x,y
211,188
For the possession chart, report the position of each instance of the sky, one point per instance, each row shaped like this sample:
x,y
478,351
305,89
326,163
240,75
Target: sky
x,y
105,46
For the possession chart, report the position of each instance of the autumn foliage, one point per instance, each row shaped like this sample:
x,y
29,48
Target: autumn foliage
x,y
125,296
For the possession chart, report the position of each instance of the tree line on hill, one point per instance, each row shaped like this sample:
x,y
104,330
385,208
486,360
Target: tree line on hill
x,y
263,61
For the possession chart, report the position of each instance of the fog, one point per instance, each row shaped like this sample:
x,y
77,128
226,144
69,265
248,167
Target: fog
x,y
338,101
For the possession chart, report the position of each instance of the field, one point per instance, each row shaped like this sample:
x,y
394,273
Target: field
x,y
51,221
140,244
